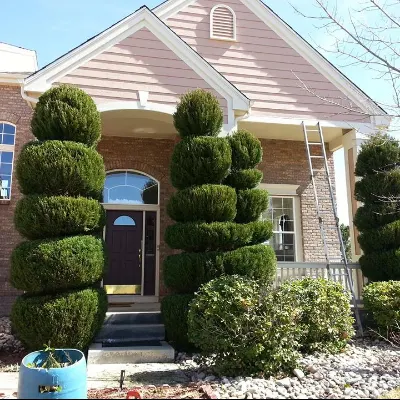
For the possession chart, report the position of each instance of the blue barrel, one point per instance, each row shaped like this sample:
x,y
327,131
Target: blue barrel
x,y
41,383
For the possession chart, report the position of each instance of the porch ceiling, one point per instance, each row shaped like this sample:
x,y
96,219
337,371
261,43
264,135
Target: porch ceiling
x,y
137,123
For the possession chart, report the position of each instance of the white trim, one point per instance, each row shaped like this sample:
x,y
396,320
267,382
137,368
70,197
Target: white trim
x,y
13,78
280,189
135,105
212,36
142,252
143,18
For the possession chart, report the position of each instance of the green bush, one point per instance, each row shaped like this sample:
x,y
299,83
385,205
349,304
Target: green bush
x,y
244,179
382,300
216,236
66,113
326,319
374,216
381,265
243,329
68,320
207,203
198,114
38,217
380,153
246,150
52,265
377,187
174,310
60,168
250,204
381,239
200,160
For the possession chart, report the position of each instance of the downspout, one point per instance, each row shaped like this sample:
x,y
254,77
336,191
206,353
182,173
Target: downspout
x,y
245,115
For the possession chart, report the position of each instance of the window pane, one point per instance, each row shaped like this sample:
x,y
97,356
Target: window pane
x,y
5,183
287,202
6,156
116,179
276,202
5,169
9,129
288,212
8,139
124,220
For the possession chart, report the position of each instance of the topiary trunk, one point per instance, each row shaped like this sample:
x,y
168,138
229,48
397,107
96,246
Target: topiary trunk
x,y
62,178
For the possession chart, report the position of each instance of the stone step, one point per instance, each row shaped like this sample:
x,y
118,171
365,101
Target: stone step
x,y
126,318
131,332
161,353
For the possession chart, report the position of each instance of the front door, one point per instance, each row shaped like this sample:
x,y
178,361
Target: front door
x,y
124,231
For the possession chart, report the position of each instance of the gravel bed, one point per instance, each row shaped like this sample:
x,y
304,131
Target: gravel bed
x,y
367,369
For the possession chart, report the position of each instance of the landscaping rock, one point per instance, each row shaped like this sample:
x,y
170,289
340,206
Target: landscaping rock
x,y
299,373
8,342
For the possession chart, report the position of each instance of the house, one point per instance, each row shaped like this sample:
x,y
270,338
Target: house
x,y
268,80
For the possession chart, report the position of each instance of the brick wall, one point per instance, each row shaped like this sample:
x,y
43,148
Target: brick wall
x,y
15,110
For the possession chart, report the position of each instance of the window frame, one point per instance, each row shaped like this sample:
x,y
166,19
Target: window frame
x,y
11,149
212,36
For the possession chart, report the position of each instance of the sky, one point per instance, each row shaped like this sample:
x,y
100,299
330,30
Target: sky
x,y
53,27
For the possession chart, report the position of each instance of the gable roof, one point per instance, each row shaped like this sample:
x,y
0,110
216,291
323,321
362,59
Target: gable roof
x,y
170,7
142,18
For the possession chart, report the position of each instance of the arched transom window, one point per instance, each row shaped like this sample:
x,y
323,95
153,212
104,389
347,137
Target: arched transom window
x,y
127,187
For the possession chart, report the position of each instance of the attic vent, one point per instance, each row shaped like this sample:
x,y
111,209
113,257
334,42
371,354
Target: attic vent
x,y
222,23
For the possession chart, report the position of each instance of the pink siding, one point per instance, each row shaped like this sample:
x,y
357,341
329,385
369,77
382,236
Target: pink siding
x,y
139,62
261,64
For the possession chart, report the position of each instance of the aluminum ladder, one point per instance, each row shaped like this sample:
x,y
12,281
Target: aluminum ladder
x,y
322,226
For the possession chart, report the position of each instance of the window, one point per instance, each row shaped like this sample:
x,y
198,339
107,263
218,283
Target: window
x,y
124,220
222,23
281,212
7,142
130,188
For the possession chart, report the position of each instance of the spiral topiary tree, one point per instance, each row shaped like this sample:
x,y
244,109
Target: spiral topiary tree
x,y
378,220
204,210
62,178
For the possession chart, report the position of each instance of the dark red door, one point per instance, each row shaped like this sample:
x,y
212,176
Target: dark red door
x,y
124,231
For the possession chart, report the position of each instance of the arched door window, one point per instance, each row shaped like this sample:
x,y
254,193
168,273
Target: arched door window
x,y
126,187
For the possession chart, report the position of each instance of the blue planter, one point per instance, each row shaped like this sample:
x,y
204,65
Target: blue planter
x,y
71,380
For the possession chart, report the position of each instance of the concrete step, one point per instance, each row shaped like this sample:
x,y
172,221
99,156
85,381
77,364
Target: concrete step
x,y
133,307
131,332
126,318
161,353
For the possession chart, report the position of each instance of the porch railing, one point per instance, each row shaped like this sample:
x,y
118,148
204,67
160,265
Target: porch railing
x,y
295,270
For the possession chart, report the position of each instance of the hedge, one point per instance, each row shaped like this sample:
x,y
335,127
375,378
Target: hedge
x,y
384,238
60,168
69,320
207,203
244,179
246,150
174,310
380,153
58,264
200,160
198,114
250,204
374,188
374,216
216,236
66,113
381,265
38,217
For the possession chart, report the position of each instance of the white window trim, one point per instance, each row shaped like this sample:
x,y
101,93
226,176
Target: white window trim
x,y
212,36
9,148
289,191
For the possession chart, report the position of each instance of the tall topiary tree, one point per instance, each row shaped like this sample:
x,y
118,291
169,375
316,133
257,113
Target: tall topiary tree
x,y
378,219
204,210
62,178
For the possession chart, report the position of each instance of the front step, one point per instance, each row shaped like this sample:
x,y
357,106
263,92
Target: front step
x,y
137,318
131,332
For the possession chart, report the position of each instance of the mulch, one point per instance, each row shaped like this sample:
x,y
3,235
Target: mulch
x,y
9,362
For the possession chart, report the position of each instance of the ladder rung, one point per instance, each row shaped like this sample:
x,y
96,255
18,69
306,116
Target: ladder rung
x,y
312,130
316,156
314,143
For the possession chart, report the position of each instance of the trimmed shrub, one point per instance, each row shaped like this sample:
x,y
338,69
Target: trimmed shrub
x,y
381,265
198,114
200,160
216,236
67,320
244,179
382,300
38,217
66,113
256,262
242,329
58,264
174,309
60,168
207,203
380,153
250,204
326,321
384,238
374,216
246,150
